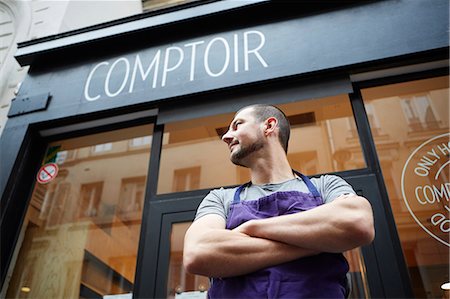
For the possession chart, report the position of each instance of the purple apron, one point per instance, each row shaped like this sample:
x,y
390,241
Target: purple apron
x,y
319,276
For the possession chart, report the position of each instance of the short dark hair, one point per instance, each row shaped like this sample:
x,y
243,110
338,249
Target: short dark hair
x,y
263,112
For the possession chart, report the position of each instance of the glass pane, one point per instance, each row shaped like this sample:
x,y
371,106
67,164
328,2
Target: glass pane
x,y
323,136
357,275
82,226
410,125
323,139
181,283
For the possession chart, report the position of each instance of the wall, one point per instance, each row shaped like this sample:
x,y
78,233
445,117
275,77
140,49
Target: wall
x,y
31,19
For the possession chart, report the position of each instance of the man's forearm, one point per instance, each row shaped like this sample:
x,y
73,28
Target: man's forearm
x,y
225,253
341,225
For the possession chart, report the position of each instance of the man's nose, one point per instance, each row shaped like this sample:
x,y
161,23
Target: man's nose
x,y
227,138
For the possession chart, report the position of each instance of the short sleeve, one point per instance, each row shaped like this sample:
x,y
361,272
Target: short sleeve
x,y
332,186
213,203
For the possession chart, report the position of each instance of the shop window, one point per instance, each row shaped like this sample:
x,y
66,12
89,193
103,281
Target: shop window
x,y
81,230
318,145
415,164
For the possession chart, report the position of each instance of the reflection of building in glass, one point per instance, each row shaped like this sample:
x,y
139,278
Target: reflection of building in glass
x,y
412,113
87,220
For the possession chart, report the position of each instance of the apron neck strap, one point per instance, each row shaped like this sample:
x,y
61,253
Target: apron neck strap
x,y
309,184
312,189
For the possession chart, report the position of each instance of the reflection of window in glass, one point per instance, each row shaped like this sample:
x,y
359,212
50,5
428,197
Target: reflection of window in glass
x,y
141,141
90,196
131,200
58,210
186,179
102,147
425,105
73,228
419,113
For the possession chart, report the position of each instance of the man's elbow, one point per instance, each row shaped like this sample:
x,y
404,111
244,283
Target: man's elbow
x,y
365,232
194,262
364,225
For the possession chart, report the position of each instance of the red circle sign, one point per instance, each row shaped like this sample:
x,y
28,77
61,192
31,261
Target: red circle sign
x,y
47,173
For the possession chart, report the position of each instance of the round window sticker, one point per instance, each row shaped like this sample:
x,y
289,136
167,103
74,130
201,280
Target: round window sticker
x,y
47,173
426,188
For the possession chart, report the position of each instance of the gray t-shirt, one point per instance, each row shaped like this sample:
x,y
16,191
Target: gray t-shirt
x,y
218,201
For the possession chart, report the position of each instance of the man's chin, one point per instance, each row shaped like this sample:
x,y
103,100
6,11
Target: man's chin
x,y
237,161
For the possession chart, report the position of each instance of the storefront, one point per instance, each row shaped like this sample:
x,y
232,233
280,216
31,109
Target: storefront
x,y
114,139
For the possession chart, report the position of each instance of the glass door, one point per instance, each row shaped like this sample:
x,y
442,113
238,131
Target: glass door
x,y
410,127
82,226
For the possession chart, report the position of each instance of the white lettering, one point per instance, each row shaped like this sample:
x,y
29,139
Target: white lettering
x,y
433,153
418,197
166,67
193,56
138,64
124,81
425,193
236,53
421,171
432,194
424,165
445,149
254,51
227,57
439,218
88,82
441,193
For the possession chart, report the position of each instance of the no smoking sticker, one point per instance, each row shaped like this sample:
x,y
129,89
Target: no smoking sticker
x,y
47,173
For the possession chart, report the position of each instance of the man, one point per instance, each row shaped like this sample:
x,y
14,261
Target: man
x,y
274,237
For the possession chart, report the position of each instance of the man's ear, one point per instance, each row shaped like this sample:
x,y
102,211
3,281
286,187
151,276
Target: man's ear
x,y
270,125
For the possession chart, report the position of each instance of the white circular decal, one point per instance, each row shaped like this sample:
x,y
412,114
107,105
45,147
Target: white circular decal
x,y
426,187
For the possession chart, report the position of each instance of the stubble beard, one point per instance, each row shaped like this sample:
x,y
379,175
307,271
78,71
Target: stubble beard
x,y
238,157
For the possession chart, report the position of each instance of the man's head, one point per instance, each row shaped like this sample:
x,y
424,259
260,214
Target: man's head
x,y
249,131
263,112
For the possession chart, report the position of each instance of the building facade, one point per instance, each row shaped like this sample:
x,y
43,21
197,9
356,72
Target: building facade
x,y
113,139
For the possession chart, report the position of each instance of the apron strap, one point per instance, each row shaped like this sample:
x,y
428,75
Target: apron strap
x,y
312,189
237,197
309,184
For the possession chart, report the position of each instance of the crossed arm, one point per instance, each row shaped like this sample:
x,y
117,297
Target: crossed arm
x,y
214,251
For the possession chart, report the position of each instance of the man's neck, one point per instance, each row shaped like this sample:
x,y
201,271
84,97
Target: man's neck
x,y
271,171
